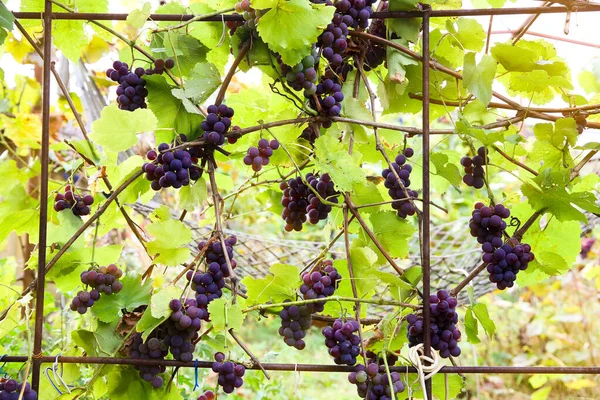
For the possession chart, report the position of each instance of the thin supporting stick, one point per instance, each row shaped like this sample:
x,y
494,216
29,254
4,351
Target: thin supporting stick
x,y
426,213
254,359
231,72
41,270
219,228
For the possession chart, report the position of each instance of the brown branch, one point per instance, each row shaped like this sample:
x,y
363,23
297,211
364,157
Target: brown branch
x,y
357,306
372,236
231,72
219,228
516,162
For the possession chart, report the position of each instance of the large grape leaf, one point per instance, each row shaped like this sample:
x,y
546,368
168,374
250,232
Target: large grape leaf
x,y
117,129
169,245
6,18
226,315
479,78
560,203
134,294
392,232
281,284
100,342
467,33
291,27
169,110
343,168
70,38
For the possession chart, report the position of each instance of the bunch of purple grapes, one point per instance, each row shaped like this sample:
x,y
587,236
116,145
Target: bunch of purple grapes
x,y
182,328
155,348
474,172
359,10
397,187
214,254
131,92
11,390
376,53
302,76
230,374
487,225
160,66
216,124
316,210
334,41
208,287
103,280
342,342
311,133
69,200
207,395
443,331
294,203
295,322
319,283
171,168
257,157
372,381
506,261
299,201
330,97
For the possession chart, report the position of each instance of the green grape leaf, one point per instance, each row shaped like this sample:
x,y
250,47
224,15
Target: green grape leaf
x,y
225,315
560,203
392,232
6,18
117,129
20,222
343,168
169,110
589,82
481,313
467,33
171,238
101,342
471,327
281,284
204,79
406,28
446,169
159,302
193,195
134,294
291,27
138,17
479,78
185,50
69,37
147,324
124,383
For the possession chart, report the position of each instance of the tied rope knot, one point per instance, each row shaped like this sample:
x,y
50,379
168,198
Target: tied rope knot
x,y
416,355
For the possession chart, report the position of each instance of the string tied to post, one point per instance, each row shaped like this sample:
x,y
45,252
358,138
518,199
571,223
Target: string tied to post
x,y
2,371
417,357
56,376
196,374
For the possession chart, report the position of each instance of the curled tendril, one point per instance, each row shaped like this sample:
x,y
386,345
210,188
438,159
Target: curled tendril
x,y
514,221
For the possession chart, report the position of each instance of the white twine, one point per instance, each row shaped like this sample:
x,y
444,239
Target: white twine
x,y
417,356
